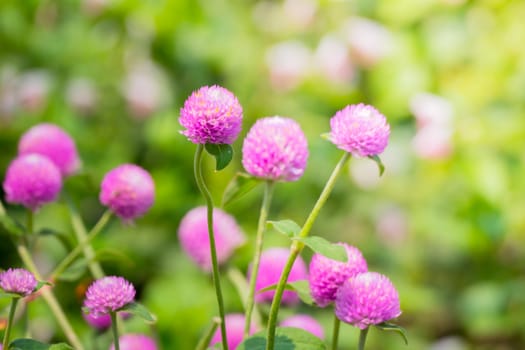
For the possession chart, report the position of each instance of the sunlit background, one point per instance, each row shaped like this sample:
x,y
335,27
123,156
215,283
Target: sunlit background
x,y
446,221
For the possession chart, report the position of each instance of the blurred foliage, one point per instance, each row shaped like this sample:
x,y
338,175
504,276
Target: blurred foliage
x,y
445,222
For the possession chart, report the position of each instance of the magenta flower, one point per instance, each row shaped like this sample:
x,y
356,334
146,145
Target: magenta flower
x,y
271,266
360,129
108,294
128,190
194,238
32,180
18,281
100,322
51,141
135,342
275,149
234,331
306,322
211,114
327,275
367,299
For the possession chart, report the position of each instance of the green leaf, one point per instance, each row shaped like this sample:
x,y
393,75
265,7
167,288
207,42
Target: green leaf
x,y
286,338
40,284
240,185
301,287
61,236
324,247
287,227
140,311
74,271
11,226
31,344
379,163
390,327
223,154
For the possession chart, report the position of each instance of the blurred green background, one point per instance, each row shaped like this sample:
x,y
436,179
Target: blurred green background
x,y
445,222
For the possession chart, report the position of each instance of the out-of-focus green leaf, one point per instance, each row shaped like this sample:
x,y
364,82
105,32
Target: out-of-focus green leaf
x,y
240,185
390,327
31,344
61,236
324,247
11,226
287,227
223,154
74,271
379,163
301,287
286,338
140,311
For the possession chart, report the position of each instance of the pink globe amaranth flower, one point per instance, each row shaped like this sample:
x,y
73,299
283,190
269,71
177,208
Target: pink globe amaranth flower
x,y
211,114
100,322
306,322
327,275
135,342
271,266
128,190
234,331
275,149
194,238
32,180
51,141
360,129
367,299
108,294
18,281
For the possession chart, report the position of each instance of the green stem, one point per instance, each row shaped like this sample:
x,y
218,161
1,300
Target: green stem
x,y
84,246
362,338
10,320
298,246
335,334
50,299
250,301
114,328
28,238
205,341
197,168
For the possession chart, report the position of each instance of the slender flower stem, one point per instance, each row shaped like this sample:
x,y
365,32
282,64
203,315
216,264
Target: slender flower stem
x,y
335,334
205,341
96,270
265,208
114,328
362,338
297,247
7,334
50,299
197,168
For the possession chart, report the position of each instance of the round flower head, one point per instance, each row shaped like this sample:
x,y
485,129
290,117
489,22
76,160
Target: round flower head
x,y
360,129
194,238
211,114
135,342
327,275
234,331
101,322
275,149
271,266
128,190
367,299
53,142
18,281
306,322
32,180
108,294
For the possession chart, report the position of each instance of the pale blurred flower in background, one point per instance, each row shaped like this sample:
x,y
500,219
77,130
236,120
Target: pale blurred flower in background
x,y
289,62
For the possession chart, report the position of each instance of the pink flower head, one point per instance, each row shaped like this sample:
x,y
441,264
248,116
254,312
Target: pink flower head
x,y
367,299
360,129
234,331
327,275
51,141
275,149
271,266
135,342
32,180
194,238
306,322
18,281
128,190
211,114
108,294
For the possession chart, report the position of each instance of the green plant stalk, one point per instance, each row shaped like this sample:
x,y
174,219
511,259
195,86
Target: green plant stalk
x,y
362,338
50,299
83,246
197,168
335,334
297,247
10,320
114,329
265,208
203,343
